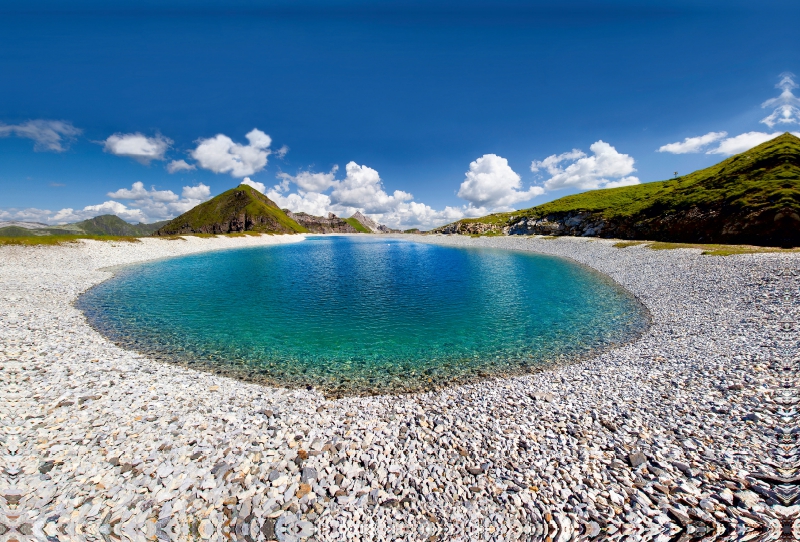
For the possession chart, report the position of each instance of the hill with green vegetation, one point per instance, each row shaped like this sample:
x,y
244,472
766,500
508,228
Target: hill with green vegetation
x,y
358,226
237,210
114,225
750,198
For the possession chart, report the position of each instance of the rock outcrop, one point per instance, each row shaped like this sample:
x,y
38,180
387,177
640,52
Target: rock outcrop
x,y
367,222
320,224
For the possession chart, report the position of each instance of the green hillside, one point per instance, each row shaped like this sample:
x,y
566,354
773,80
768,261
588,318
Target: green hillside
x,y
753,197
360,228
114,225
104,225
239,209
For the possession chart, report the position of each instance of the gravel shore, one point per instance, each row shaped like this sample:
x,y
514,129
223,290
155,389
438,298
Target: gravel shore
x,y
686,432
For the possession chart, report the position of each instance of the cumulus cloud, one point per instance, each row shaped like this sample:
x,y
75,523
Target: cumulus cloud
x,y
221,154
786,105
362,188
411,214
161,204
199,192
138,146
261,187
490,182
142,205
692,144
283,151
48,135
30,214
180,165
742,142
106,208
605,168
312,203
312,182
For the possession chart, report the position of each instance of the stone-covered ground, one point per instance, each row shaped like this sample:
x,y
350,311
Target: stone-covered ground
x,y
685,433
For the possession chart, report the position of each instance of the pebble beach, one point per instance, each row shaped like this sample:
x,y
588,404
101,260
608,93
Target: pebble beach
x,y
683,433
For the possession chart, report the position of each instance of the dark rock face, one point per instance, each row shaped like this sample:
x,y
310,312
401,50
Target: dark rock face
x,y
711,225
238,223
468,228
319,224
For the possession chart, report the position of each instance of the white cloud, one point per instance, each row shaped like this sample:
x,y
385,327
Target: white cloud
x,y
786,105
31,214
742,142
221,155
362,188
283,151
261,187
161,204
606,168
180,165
199,192
48,135
106,208
143,206
312,203
692,144
138,146
418,215
490,182
555,159
312,182
137,191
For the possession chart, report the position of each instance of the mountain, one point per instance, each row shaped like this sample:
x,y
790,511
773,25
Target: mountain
x,y
366,222
750,198
239,209
331,224
100,225
114,225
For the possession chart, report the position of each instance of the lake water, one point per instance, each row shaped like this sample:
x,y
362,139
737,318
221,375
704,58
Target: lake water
x,y
363,315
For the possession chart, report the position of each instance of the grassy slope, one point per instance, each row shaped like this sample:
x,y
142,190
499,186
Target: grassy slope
x,y
114,225
104,225
18,231
31,240
229,204
360,228
765,177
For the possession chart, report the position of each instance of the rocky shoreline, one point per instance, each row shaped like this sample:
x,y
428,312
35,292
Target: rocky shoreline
x,y
687,432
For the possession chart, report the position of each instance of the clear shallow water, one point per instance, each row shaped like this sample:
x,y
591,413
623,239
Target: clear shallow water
x,y
363,315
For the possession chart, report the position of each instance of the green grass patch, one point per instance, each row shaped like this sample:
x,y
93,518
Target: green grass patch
x,y
720,250
707,249
62,239
626,244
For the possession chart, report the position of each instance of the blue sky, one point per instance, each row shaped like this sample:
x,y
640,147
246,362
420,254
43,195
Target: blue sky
x,y
417,113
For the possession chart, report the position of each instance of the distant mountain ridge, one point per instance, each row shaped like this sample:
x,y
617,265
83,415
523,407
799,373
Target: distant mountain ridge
x,y
237,210
750,198
244,208
99,225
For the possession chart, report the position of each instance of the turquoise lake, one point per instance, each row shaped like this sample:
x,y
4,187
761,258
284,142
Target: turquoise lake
x,y
363,315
